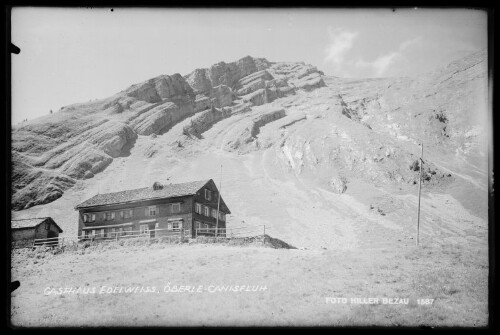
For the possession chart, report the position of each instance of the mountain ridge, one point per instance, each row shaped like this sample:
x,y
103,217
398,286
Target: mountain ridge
x,y
317,159
103,129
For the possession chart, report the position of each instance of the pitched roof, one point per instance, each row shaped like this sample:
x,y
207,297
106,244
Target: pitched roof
x,y
145,193
31,223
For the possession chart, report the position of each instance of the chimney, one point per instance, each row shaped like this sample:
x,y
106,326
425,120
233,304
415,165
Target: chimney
x,y
157,186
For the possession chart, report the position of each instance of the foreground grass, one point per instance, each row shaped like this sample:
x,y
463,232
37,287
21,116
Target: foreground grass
x,y
297,283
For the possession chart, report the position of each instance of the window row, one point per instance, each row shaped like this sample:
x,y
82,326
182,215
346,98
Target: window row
x,y
200,225
108,232
121,231
127,214
207,211
175,226
108,216
154,210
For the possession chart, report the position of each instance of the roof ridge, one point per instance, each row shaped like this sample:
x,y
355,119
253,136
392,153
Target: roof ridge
x,y
43,217
168,190
145,187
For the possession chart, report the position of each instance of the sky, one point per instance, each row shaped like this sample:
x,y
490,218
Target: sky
x,y
71,55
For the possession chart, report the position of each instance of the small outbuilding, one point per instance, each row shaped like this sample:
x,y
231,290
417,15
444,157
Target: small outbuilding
x,y
34,228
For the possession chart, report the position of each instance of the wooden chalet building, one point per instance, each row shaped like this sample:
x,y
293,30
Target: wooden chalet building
x,y
156,210
24,230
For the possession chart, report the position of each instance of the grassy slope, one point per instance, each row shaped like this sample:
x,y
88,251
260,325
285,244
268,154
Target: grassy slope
x,y
297,282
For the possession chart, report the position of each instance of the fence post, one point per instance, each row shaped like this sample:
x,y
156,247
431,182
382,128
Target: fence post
x,y
264,229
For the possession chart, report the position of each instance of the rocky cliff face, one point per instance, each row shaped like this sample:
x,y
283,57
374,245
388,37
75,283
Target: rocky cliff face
x,y
51,153
316,159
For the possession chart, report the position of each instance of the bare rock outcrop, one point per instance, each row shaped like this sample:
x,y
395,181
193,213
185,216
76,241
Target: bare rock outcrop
x,y
199,81
222,96
201,102
315,149
35,186
83,139
298,75
338,184
160,117
254,79
204,120
162,87
253,82
229,74
244,137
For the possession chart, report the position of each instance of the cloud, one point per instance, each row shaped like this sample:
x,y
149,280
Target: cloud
x,y
383,63
407,44
341,41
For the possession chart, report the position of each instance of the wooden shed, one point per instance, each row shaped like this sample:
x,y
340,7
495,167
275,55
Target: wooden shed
x,y
34,228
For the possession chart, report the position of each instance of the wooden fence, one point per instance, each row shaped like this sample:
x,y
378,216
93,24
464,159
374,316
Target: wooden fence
x,y
69,240
153,234
231,232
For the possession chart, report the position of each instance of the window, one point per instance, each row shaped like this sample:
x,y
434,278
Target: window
x,y
110,216
113,232
120,231
208,194
206,225
87,233
93,232
151,210
222,216
144,229
176,225
176,208
128,214
198,208
214,213
121,214
88,217
197,224
207,211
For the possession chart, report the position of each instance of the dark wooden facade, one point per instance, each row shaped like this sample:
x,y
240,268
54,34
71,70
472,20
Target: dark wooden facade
x,y
158,216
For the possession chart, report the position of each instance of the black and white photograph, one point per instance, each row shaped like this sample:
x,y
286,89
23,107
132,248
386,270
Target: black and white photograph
x,y
250,167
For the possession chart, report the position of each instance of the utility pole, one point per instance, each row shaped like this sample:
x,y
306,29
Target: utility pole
x,y
419,187
218,203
